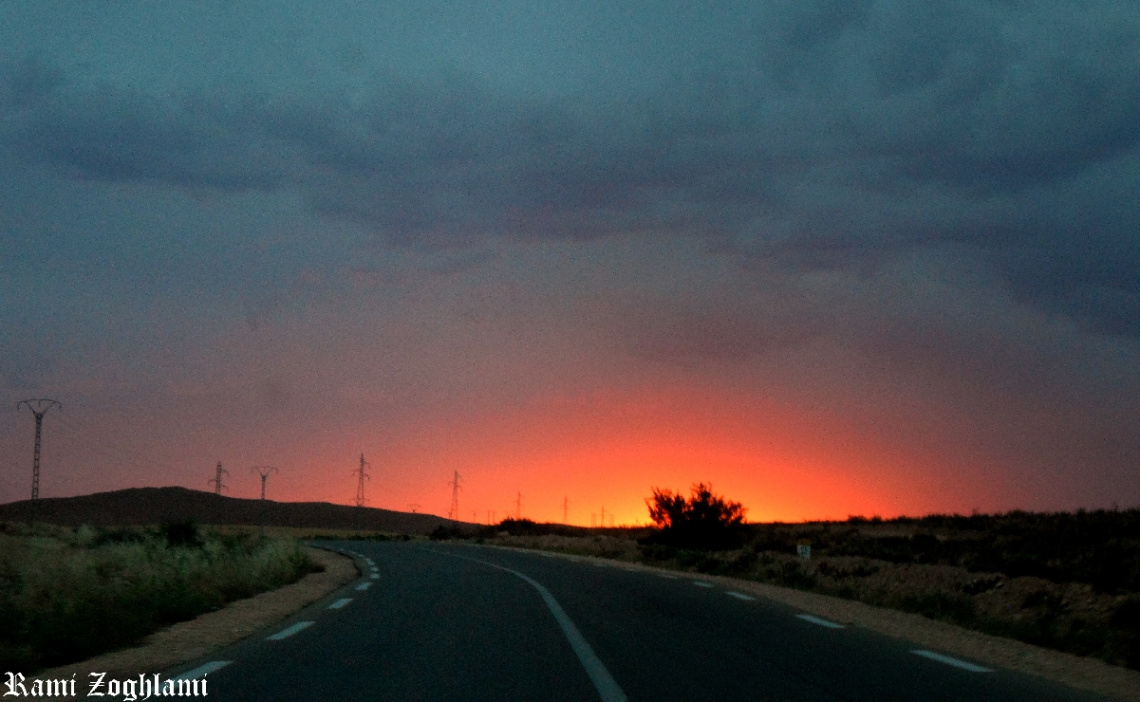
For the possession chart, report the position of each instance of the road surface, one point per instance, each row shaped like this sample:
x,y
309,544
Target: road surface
x,y
442,621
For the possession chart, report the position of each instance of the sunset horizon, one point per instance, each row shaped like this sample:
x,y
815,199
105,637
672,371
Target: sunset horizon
x,y
875,259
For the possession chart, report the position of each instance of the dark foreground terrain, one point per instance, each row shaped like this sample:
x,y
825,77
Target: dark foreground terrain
x,y
1067,581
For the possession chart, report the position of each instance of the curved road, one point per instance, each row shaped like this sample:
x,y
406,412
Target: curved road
x,y
461,622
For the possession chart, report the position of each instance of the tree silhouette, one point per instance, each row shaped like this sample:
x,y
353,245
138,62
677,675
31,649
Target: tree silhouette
x,y
703,521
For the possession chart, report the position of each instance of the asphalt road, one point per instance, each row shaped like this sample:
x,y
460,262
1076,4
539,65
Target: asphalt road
x,y
446,621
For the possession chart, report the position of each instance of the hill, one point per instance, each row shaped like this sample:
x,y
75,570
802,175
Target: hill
x,y
169,504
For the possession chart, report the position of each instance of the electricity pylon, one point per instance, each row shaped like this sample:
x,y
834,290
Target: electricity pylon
x,y
39,408
264,472
453,511
518,507
565,510
362,475
217,479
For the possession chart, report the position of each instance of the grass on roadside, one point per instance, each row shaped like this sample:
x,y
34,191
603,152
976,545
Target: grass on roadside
x,y
66,595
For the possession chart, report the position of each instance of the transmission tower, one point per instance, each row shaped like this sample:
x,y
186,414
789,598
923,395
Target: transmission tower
x,y
217,479
565,510
39,408
362,475
518,507
453,511
264,472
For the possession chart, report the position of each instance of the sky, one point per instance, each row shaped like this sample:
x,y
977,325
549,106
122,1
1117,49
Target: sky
x,y
834,257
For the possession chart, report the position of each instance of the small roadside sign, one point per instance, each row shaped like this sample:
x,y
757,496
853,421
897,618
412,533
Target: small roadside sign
x,y
803,549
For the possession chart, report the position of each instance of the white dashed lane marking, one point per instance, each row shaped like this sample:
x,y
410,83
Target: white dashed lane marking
x,y
702,583
364,586
951,661
740,596
340,603
820,622
289,631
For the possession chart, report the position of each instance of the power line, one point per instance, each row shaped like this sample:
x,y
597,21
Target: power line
x,y
87,439
39,408
118,452
217,479
362,475
453,510
264,472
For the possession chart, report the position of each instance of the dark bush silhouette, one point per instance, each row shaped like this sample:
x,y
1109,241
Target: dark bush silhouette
x,y
183,534
704,521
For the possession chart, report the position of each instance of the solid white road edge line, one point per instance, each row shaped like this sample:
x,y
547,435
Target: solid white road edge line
x,y
951,661
604,683
821,622
340,603
740,596
289,631
202,670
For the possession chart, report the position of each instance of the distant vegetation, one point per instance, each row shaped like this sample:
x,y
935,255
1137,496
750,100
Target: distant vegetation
x,y
66,594
1101,548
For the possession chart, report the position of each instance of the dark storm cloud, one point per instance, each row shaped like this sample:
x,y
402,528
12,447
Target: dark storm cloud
x,y
112,133
835,134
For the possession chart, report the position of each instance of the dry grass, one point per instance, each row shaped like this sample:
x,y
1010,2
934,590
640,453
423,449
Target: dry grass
x,y
68,594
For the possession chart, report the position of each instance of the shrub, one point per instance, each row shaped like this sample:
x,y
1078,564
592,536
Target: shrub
x,y
704,521
182,534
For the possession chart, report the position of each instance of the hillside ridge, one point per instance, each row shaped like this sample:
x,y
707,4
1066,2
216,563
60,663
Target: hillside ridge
x,y
156,505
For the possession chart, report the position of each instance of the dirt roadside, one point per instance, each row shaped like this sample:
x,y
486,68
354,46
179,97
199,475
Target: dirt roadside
x,y
188,640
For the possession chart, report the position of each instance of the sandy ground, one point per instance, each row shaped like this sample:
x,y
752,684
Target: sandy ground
x,y
192,639
189,640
